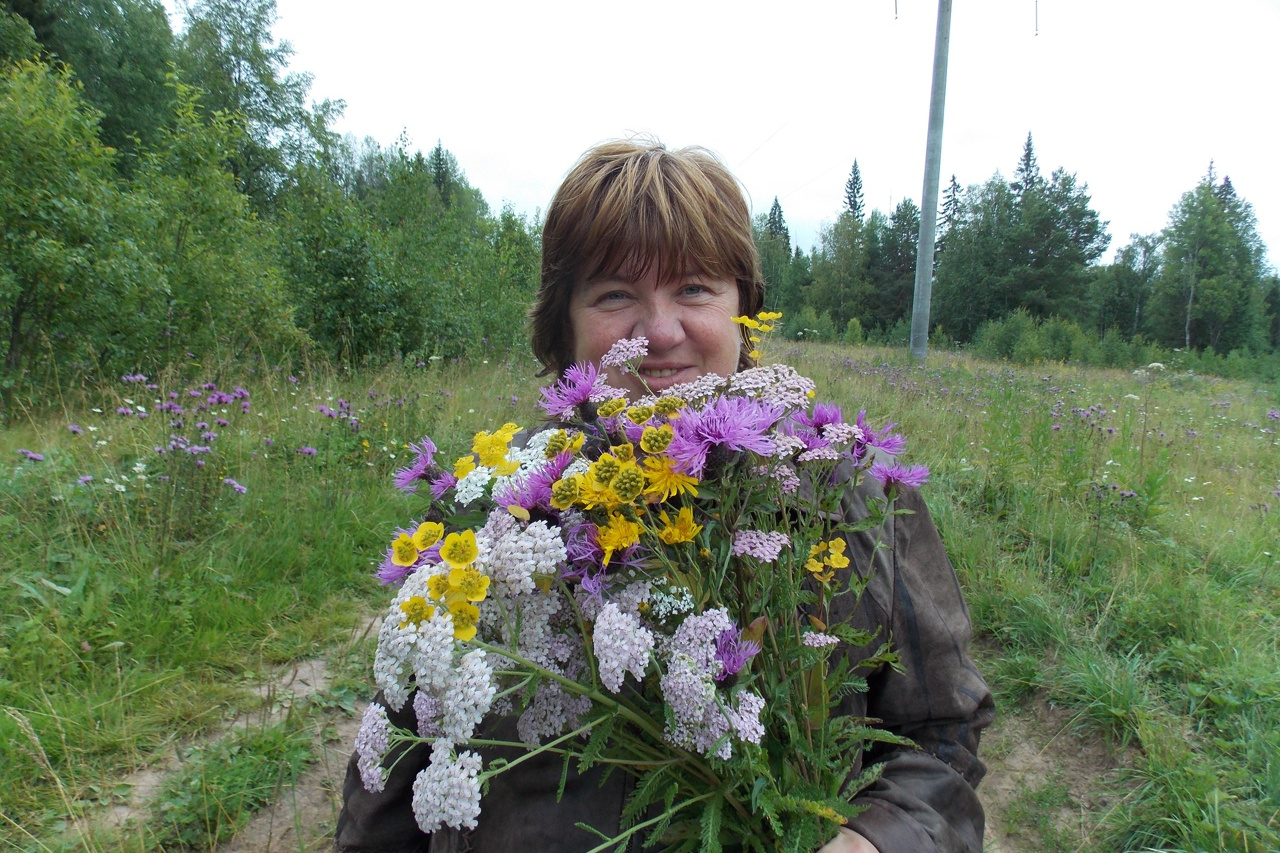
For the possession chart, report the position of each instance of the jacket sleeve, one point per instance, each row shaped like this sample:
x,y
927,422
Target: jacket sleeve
x,y
925,798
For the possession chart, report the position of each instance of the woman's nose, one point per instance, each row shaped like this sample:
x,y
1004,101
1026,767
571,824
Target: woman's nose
x,y
662,325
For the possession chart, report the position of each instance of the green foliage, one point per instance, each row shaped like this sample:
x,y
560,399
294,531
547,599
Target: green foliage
x,y
225,297
17,39
73,278
120,51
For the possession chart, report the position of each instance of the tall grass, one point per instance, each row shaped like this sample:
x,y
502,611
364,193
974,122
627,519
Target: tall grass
x,y
1116,534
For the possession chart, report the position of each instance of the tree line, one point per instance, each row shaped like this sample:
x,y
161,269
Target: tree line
x,y
1025,251
168,197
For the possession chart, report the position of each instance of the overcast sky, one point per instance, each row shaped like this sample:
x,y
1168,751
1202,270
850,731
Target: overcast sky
x,y
1133,96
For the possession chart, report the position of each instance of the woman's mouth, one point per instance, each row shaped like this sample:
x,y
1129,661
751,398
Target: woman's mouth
x,y
658,373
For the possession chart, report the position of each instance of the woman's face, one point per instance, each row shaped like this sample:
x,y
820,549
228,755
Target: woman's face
x,y
687,319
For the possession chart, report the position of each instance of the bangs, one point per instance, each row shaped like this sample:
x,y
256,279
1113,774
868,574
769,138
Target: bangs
x,y
657,214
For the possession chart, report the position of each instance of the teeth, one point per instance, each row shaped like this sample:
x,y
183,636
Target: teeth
x,y
660,374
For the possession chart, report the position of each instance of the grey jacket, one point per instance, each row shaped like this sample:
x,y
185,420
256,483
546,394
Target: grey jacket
x,y
924,800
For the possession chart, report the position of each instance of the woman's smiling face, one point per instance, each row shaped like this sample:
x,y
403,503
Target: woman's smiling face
x,y
688,320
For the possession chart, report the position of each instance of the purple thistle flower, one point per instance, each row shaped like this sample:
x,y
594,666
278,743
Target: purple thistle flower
x,y
894,474
442,484
124,410
733,652
737,423
306,450
1274,415
233,484
85,479
75,429
268,442
32,455
406,479
580,384
222,422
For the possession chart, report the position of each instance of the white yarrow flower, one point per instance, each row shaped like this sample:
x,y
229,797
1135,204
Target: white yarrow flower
x,y
447,791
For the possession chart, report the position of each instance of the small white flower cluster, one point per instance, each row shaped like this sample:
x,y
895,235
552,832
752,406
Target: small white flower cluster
x,y
842,434
700,719
670,603
447,791
774,384
764,545
622,645
817,640
702,387
517,554
625,351
372,742
409,652
471,487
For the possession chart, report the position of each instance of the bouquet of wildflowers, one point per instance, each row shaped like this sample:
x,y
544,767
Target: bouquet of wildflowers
x,y
645,585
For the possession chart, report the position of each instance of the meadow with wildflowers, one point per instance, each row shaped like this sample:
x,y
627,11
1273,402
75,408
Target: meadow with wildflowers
x,y
169,538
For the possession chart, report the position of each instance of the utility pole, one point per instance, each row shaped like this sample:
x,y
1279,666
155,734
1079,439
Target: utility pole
x,y
929,195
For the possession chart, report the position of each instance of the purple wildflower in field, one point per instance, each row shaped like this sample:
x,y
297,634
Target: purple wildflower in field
x,y
306,450
406,479
75,429
124,410
133,377
733,652
581,383
736,423
222,422
293,379
233,484
269,442
890,475
625,351
1274,415
31,454
85,479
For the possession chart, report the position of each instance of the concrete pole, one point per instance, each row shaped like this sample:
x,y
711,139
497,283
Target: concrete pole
x,y
929,195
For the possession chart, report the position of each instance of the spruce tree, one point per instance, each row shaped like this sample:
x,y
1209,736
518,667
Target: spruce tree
x,y
853,193
1027,176
776,226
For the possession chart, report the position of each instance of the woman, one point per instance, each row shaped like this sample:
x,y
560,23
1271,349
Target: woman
x,y
644,242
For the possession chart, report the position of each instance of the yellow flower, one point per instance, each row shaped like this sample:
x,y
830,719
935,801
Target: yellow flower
x,y
564,492
623,452
465,616
639,414
823,568
628,483
669,407
403,552
604,469
837,560
656,439
416,611
681,530
620,533
427,534
470,583
464,466
459,549
492,448
609,408
664,480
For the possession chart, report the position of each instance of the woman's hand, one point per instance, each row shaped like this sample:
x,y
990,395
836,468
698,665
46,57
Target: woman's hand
x,y
848,841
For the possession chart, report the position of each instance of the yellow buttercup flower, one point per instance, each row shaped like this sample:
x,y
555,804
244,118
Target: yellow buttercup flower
x,y
465,616
403,552
427,534
416,611
470,583
680,530
664,480
823,568
464,466
459,549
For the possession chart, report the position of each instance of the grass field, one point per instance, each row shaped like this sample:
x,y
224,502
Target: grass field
x,y
167,540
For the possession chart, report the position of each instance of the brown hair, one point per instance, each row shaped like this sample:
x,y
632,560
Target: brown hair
x,y
628,206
